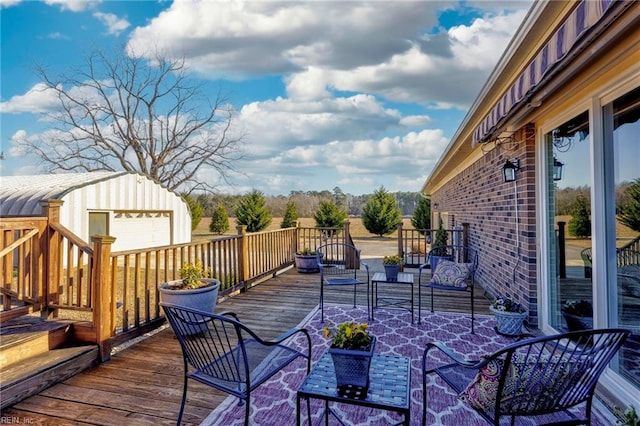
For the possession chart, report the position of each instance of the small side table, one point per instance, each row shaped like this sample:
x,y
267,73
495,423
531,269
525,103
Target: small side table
x,y
404,279
389,387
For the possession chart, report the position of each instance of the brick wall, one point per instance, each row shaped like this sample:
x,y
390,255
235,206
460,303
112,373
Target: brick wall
x,y
479,196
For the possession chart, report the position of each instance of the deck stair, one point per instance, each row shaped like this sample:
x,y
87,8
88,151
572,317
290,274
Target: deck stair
x,y
37,353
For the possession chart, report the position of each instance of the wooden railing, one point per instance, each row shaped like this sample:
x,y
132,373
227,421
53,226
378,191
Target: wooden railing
x,y
114,296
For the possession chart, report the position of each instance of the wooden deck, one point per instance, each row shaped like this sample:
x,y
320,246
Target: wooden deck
x,y
142,384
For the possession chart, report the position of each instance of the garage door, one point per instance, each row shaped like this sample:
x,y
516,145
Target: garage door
x,y
135,230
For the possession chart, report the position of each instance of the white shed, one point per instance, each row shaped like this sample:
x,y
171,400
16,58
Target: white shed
x,y
137,211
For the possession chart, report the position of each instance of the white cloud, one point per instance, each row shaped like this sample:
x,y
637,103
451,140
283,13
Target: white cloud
x,y
114,24
38,99
9,3
73,5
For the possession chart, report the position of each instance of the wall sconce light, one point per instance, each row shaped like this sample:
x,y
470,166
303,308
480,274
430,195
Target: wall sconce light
x,y
435,206
509,170
557,169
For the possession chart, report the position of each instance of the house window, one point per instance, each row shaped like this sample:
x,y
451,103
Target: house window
x,y
621,129
98,223
569,227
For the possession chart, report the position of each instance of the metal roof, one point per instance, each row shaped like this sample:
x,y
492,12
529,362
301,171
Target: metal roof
x,y
21,195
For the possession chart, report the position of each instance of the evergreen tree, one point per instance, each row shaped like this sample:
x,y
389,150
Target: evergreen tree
x,y
219,220
580,224
329,215
290,216
422,215
380,215
629,211
252,212
197,211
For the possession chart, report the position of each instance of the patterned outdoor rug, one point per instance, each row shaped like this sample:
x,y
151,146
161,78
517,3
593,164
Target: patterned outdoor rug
x,y
274,403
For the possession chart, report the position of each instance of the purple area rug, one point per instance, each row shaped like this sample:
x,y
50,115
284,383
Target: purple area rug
x,y
274,403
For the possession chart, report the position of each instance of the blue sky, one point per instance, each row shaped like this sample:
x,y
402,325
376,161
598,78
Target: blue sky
x,y
349,94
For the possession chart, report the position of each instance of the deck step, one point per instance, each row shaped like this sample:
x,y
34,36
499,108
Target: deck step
x,y
37,353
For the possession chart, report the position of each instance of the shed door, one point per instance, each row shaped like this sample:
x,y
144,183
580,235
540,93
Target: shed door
x,y
140,229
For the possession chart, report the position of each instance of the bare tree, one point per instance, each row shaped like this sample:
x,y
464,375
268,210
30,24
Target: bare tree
x,y
124,113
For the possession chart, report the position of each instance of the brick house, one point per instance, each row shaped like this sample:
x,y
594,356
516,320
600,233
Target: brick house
x,y
566,92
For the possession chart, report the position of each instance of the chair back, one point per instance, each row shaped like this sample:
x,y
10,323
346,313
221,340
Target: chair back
x,y
212,344
458,254
338,259
553,373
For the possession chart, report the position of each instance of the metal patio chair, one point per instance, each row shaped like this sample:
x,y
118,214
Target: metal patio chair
x,y
541,376
339,264
223,353
458,265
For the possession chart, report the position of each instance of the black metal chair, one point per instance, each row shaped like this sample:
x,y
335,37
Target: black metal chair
x,y
541,376
223,353
339,264
459,277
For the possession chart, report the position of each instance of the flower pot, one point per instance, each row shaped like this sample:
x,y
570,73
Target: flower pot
x,y
391,271
352,366
509,323
307,263
203,298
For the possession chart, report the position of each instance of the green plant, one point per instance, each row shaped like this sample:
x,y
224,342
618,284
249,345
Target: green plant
x,y
628,417
580,224
582,308
290,216
306,252
505,304
422,215
219,220
252,212
349,335
393,260
380,215
440,240
195,208
329,215
192,275
629,210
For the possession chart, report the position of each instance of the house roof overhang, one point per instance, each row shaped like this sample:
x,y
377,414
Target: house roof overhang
x,y
537,29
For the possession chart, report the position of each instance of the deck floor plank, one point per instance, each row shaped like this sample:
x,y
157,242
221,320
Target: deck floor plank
x,y
142,384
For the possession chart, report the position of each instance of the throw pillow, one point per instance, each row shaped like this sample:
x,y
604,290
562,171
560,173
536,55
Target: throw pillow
x,y
451,274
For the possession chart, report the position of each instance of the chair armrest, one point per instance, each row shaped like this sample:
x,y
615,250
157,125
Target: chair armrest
x,y
229,314
451,355
287,334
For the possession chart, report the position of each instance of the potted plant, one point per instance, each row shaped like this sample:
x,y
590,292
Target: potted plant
x,y
351,351
438,254
627,417
578,314
195,289
306,261
509,316
392,266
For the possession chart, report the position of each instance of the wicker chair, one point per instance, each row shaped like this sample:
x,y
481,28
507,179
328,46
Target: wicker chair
x,y
223,353
339,264
542,376
466,263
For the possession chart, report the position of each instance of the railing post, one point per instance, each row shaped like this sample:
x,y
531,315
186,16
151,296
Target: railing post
x,y
347,233
562,258
400,244
52,253
243,256
102,303
296,239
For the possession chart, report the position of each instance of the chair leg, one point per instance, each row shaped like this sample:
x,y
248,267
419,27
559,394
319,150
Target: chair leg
x,y
354,295
431,299
419,303
473,316
247,409
321,303
184,397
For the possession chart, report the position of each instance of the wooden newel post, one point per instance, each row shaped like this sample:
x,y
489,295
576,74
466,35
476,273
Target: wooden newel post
x,y
102,303
465,234
243,256
53,250
296,238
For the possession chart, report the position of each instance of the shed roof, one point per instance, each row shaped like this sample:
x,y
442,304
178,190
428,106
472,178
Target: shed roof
x,y
21,195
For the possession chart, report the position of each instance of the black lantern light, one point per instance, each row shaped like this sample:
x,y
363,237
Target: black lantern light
x,y
509,170
557,169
